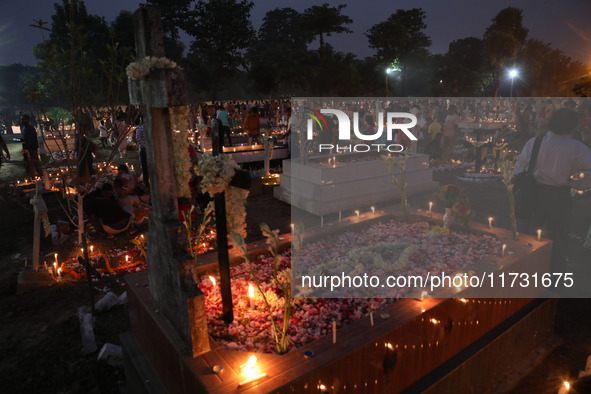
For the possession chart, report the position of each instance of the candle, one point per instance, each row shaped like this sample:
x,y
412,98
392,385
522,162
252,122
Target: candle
x,y
212,279
490,219
91,249
334,332
539,234
430,207
54,269
371,318
126,259
503,250
357,213
55,255
373,210
251,295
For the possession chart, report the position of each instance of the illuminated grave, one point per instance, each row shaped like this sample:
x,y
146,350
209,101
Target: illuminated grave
x,y
386,350
347,181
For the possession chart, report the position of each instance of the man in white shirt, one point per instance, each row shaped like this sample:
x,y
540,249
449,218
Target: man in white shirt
x,y
559,157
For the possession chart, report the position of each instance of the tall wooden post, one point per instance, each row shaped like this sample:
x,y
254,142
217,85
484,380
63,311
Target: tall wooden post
x,y
178,298
222,233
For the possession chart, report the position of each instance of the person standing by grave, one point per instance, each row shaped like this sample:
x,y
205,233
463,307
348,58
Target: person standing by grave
x,y
224,116
559,157
252,126
31,148
103,133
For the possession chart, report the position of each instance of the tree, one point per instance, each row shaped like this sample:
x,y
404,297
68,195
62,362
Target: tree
x,y
400,41
503,39
173,14
325,20
278,58
222,31
462,70
547,71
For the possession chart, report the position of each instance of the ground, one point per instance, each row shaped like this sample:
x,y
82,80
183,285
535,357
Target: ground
x,y
41,346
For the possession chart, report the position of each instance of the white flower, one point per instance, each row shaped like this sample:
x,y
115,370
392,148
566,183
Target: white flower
x,y
141,69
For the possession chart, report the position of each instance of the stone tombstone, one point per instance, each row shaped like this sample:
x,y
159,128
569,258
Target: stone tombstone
x,y
161,94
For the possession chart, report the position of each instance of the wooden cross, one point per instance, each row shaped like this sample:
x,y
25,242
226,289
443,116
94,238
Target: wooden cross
x,y
160,94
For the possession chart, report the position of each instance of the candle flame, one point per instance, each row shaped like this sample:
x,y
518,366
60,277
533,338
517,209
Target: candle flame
x,y
357,213
212,279
250,364
566,385
126,258
251,295
434,321
389,346
373,209
463,300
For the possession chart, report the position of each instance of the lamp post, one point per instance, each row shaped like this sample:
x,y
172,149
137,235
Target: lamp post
x,y
512,73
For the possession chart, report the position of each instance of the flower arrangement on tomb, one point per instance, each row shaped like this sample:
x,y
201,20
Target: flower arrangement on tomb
x,y
142,68
506,167
399,162
217,172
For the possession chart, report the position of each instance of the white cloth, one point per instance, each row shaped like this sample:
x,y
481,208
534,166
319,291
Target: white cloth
x,y
558,159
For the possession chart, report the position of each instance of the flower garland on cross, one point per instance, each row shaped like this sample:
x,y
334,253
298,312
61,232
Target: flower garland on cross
x,y
217,173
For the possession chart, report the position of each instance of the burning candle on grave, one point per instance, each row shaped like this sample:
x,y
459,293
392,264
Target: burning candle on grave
x,y
490,220
334,331
55,269
212,279
430,207
126,259
251,295
503,250
91,249
539,234
357,213
55,256
59,274
373,210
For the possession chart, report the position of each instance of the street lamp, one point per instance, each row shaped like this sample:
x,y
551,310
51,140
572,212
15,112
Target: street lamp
x,y
512,74
388,71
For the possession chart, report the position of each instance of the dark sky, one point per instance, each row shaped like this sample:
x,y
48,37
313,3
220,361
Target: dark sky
x,y
565,25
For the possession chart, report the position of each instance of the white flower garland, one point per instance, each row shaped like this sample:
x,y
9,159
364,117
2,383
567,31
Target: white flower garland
x,y
141,69
217,172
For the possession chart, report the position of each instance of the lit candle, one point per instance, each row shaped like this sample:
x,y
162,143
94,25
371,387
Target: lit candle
x,y
126,259
373,210
334,332
91,249
357,213
503,250
371,318
430,207
212,279
54,269
251,295
539,234
490,219
55,255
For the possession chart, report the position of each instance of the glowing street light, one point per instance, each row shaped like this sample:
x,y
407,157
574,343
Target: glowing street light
x,y
512,74
388,71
